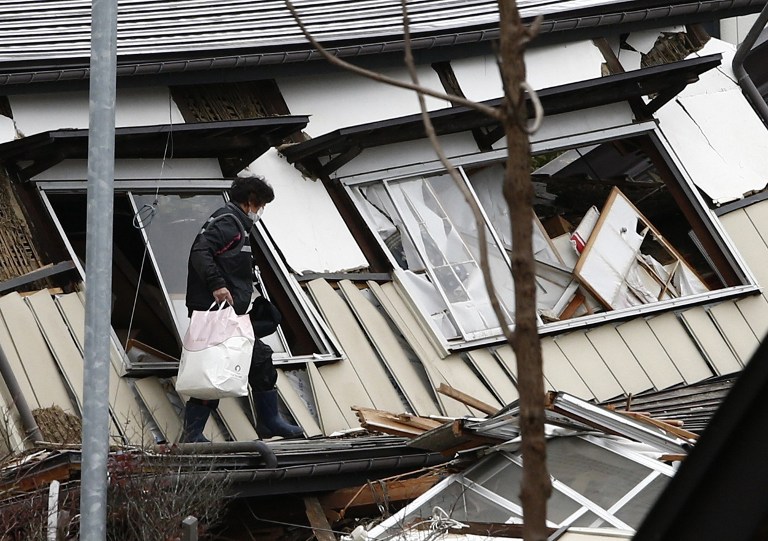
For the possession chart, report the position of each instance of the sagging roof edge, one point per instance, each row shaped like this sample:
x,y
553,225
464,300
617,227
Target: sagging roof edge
x,y
554,29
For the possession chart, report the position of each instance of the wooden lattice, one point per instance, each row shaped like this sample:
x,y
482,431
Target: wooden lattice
x,y
17,250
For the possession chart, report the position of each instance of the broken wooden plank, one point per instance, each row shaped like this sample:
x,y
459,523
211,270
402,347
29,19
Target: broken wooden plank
x,y
317,519
390,423
374,493
450,438
464,398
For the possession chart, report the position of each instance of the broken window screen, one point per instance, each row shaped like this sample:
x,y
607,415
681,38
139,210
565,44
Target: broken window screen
x,y
613,229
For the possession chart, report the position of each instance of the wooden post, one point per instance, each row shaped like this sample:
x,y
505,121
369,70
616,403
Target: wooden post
x,y
189,529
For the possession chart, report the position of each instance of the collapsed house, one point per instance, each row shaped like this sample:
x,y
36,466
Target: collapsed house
x,y
649,170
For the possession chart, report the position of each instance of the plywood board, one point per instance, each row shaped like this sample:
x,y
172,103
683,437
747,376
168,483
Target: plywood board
x,y
494,375
36,359
332,417
680,347
589,365
360,354
619,359
297,406
60,341
650,354
751,244
735,330
706,334
560,372
409,327
389,350
123,405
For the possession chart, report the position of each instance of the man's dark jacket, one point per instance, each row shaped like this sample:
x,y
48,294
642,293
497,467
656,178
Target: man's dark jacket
x,y
221,257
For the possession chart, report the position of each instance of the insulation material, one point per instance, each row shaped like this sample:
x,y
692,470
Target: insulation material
x,y
716,134
614,267
315,239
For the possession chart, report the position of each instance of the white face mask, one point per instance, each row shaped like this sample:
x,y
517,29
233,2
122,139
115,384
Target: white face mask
x,y
256,216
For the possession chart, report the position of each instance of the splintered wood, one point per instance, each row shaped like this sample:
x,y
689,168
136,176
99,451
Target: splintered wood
x,y
396,424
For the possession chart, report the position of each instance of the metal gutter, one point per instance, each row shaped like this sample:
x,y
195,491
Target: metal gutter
x,y
742,77
585,25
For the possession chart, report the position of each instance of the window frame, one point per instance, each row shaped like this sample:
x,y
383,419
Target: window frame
x,y
325,342
648,129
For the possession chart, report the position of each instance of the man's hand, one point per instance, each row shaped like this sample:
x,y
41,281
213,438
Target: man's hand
x,y
222,294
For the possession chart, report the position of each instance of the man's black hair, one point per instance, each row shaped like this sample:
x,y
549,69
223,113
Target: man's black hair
x,y
254,189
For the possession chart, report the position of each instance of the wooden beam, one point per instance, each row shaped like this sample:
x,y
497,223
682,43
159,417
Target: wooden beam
x,y
37,274
317,520
464,398
375,493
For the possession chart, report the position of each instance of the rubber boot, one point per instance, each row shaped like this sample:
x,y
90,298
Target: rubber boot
x,y
269,421
195,417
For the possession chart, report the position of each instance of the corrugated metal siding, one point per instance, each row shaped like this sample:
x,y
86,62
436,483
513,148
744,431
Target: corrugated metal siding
x,y
57,29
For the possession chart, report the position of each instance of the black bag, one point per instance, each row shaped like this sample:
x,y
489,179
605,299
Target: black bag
x,y
265,317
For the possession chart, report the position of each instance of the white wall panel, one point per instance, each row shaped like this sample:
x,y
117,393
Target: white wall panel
x,y
352,99
735,329
202,168
748,240
560,373
587,362
304,222
36,113
649,353
619,358
710,341
674,338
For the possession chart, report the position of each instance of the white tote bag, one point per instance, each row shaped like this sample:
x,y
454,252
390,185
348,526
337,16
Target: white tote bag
x,y
216,355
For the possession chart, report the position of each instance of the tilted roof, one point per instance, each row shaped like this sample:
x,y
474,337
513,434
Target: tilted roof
x,y
45,33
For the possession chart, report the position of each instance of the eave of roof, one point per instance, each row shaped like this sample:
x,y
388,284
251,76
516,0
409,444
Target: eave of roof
x,y
663,81
45,44
241,141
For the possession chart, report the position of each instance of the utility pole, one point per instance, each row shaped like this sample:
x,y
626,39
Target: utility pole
x,y
98,269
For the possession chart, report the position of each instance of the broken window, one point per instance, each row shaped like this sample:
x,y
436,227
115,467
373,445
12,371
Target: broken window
x,y
613,230
153,231
597,483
